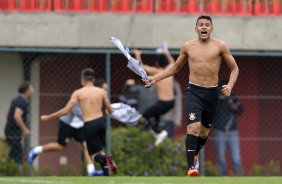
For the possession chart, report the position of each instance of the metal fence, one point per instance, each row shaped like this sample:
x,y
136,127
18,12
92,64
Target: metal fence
x,y
55,74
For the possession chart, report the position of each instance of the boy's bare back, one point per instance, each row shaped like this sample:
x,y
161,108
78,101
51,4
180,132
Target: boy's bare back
x,y
165,89
91,100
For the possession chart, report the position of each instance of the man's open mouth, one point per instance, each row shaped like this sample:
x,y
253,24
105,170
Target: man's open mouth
x,y
204,33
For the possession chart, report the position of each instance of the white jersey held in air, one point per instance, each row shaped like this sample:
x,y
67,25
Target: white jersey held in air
x,y
133,64
125,114
74,118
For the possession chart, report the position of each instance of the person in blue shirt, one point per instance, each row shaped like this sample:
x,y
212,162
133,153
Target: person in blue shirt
x,y
226,133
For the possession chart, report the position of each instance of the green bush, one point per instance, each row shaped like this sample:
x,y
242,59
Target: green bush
x,y
257,170
210,169
4,150
45,171
7,167
272,168
67,170
136,155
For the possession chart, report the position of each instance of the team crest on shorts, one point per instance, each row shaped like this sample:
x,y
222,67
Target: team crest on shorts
x,y
192,116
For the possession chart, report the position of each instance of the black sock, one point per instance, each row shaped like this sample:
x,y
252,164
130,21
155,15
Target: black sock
x,y
155,127
200,144
191,146
102,159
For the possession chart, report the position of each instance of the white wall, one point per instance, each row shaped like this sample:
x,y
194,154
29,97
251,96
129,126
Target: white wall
x,y
10,78
135,30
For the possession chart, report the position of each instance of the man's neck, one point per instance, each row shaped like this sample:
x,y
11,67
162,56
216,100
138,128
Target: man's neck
x,y
24,96
204,41
88,84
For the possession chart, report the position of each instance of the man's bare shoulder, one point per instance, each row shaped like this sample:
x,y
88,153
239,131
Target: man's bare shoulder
x,y
219,42
78,91
93,90
187,44
86,89
99,91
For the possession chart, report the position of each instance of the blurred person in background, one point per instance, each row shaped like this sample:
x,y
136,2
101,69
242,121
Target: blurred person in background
x,y
226,133
17,118
91,100
204,56
70,126
165,94
147,97
174,117
130,94
101,83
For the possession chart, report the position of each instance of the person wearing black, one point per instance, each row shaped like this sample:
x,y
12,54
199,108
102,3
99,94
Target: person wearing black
x,y
165,95
226,133
17,117
130,94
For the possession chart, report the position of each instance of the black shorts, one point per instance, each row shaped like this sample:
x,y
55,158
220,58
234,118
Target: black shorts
x,y
158,109
201,103
66,132
95,133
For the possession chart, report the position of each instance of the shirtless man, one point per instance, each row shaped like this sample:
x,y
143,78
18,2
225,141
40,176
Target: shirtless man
x,y
204,56
91,100
70,126
165,94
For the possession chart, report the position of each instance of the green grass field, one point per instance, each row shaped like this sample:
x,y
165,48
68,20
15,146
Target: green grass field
x,y
140,180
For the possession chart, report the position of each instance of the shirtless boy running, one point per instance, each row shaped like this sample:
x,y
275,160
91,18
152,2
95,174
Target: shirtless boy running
x,y
204,56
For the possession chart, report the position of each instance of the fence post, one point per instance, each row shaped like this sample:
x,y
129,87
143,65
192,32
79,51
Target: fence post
x,y
26,68
108,79
202,162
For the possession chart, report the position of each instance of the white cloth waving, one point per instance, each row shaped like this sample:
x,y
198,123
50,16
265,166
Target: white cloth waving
x,y
125,114
133,64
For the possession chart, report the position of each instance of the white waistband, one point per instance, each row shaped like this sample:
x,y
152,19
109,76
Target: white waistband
x,y
203,86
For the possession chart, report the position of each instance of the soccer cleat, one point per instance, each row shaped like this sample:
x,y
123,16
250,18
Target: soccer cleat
x,y
31,157
196,162
160,137
111,163
97,173
192,171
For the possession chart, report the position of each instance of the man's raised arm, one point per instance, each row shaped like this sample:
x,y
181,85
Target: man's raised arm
x,y
71,103
171,69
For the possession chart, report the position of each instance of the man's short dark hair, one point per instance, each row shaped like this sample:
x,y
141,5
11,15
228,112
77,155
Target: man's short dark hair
x,y
23,87
162,60
99,83
88,74
207,17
